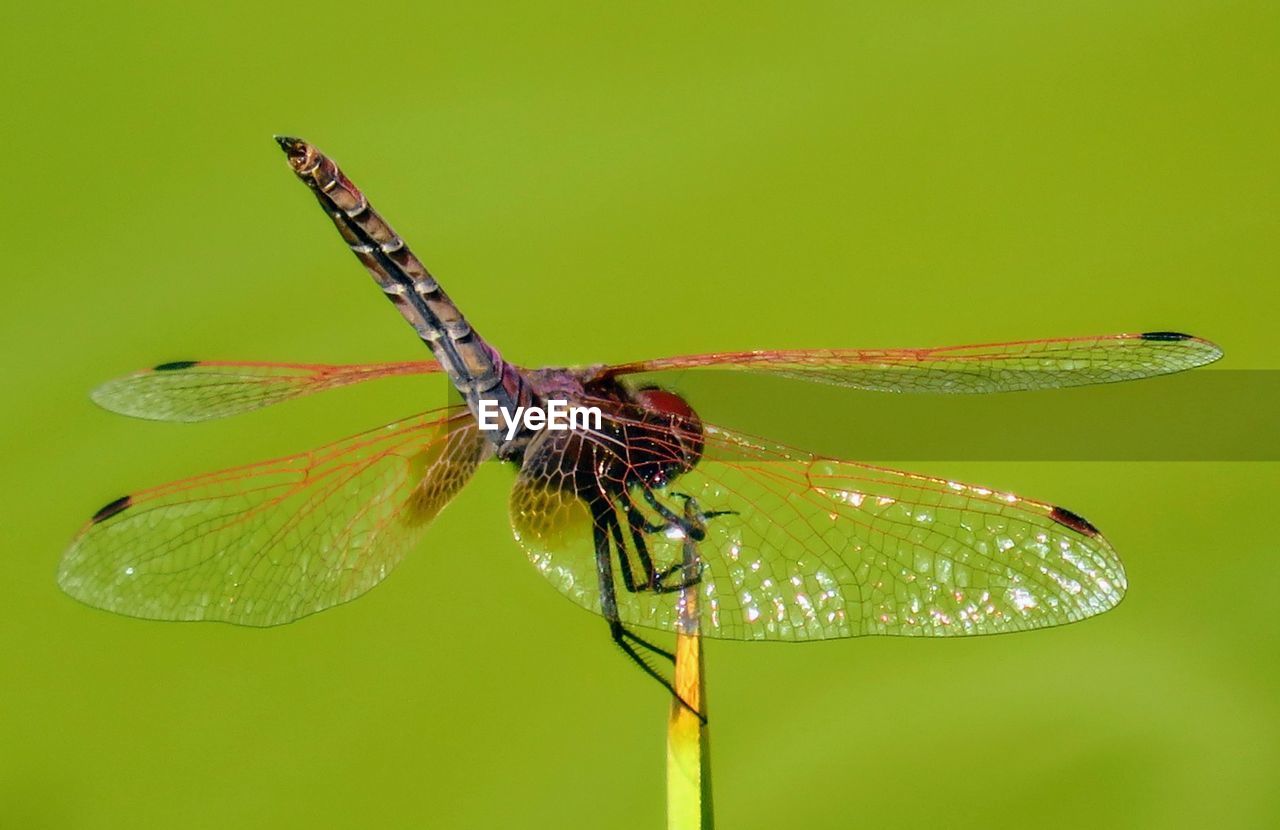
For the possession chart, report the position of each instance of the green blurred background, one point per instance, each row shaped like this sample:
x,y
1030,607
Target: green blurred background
x,y
601,183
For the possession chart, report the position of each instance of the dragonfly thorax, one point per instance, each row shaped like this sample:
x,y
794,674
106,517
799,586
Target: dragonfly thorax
x,y
647,438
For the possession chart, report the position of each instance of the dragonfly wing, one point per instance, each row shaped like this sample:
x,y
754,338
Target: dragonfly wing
x,y
815,548
992,367
201,390
271,542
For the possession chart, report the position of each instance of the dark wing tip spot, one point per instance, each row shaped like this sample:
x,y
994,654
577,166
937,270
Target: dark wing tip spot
x,y
187,364
1164,335
112,508
1075,521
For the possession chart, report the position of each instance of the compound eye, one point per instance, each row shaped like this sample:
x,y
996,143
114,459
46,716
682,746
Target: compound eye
x,y
665,403
684,423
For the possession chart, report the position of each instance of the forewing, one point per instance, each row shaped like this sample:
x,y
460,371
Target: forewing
x,y
271,542
201,390
817,548
992,367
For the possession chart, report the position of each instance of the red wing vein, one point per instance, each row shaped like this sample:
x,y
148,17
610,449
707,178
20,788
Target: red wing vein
x,y
813,548
263,544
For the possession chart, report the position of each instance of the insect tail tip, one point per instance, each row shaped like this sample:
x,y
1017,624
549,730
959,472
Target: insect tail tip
x,y
301,155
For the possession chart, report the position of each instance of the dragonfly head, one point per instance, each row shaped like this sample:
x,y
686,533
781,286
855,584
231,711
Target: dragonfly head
x,y
678,447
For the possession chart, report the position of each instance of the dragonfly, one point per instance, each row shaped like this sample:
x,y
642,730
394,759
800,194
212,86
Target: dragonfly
x,y
790,545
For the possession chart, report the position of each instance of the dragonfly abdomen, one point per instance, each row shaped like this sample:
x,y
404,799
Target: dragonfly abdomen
x,y
475,368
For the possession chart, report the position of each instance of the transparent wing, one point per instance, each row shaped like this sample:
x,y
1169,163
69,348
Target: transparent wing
x,y
271,542
200,390
992,367
814,548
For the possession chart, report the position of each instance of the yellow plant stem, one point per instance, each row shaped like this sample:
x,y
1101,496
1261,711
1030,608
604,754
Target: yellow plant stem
x,y
688,741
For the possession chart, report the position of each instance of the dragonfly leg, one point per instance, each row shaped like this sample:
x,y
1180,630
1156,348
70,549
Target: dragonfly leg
x,y
691,529
624,638
694,531
624,563
604,570
638,527
604,528
694,521
693,525
646,525
635,639
691,576
653,578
